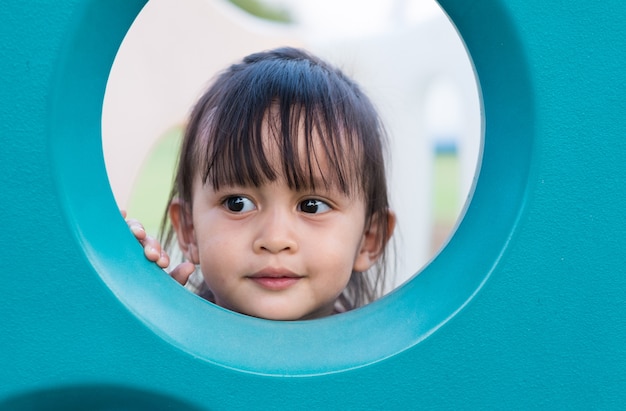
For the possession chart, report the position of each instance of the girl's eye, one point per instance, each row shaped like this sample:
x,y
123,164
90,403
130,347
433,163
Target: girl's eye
x,y
314,206
239,204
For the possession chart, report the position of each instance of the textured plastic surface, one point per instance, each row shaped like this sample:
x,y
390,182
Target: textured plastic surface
x,y
524,307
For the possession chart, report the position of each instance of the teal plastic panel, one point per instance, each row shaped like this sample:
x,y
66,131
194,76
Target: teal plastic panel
x,y
524,308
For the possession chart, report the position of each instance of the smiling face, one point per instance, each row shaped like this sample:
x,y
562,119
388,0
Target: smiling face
x,y
276,252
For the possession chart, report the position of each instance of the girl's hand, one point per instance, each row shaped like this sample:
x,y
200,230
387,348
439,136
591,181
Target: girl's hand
x,y
153,252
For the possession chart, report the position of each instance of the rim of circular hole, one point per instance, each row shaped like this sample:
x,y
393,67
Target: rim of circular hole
x,y
410,313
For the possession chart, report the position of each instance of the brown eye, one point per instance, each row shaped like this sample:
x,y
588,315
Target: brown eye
x,y
313,206
239,204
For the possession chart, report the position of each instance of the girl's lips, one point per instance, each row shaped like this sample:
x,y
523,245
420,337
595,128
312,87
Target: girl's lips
x,y
275,283
274,279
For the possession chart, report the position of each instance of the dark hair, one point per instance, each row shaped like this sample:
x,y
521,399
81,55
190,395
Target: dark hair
x,y
300,96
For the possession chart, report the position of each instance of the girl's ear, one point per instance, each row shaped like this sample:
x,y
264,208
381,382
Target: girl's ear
x,y
374,241
180,216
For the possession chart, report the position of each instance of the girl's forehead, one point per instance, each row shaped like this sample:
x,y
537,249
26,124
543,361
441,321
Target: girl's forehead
x,y
280,141
324,151
308,149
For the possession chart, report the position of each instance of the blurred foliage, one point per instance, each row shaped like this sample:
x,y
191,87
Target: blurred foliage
x,y
259,9
150,193
446,187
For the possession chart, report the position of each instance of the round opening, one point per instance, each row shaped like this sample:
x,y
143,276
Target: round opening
x,y
407,56
220,337
93,397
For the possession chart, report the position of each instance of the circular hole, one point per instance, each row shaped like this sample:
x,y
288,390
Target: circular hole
x,y
95,398
220,337
407,55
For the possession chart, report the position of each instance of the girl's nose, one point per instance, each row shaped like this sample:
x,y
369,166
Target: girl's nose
x,y
276,233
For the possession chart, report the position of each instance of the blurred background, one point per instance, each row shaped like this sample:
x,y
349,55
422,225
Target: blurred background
x,y
406,54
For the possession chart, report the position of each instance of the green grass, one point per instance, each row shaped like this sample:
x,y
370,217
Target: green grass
x,y
446,202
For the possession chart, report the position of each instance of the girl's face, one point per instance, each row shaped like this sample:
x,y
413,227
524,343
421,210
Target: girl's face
x,y
273,252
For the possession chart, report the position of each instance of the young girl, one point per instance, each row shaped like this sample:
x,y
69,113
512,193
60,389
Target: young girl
x,y
280,194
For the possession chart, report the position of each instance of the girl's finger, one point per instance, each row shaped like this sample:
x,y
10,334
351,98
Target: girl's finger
x,y
137,229
164,260
151,248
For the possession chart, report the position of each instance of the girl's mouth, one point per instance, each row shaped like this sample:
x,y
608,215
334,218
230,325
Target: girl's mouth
x,y
275,279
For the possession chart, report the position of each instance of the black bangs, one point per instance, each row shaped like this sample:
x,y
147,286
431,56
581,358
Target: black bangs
x,y
285,106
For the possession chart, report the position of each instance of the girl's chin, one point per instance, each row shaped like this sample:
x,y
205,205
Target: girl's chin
x,y
277,314
281,316
278,308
